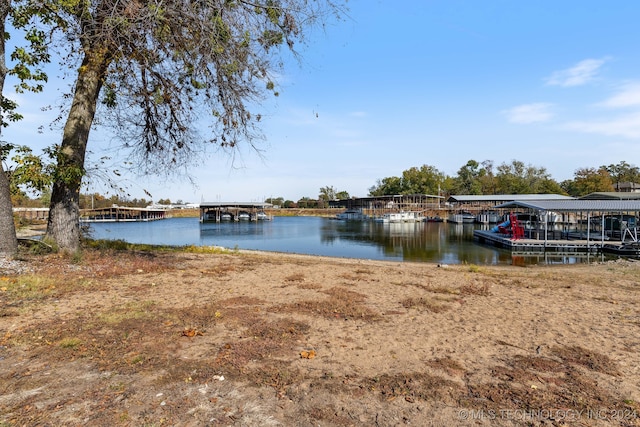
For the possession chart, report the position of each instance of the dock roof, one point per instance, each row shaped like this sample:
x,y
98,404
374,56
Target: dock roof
x,y
245,205
612,195
580,205
470,198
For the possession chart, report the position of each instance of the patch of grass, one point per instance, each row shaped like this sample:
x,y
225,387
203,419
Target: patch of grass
x,y
474,268
199,317
130,311
295,277
30,287
475,289
219,270
448,365
547,383
424,303
587,358
263,340
215,250
70,342
278,375
412,386
341,304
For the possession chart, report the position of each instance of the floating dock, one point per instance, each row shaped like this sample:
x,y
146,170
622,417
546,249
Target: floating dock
x,y
535,246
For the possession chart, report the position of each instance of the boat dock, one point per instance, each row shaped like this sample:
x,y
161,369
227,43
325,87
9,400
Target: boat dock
x,y
121,214
535,246
233,211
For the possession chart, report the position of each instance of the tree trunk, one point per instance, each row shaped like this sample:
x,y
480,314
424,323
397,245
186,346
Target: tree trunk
x,y
63,226
8,241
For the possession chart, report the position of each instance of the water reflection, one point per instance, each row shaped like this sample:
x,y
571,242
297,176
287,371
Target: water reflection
x,y
430,242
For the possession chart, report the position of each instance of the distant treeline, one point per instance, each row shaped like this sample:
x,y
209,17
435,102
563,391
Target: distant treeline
x,y
474,178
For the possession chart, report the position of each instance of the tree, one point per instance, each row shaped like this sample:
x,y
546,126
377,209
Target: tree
x,y
423,180
26,60
588,180
468,179
342,195
487,179
622,172
516,178
387,186
157,66
276,201
327,193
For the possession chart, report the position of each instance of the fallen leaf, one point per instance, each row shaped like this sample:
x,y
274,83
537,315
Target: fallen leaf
x,y
190,332
308,354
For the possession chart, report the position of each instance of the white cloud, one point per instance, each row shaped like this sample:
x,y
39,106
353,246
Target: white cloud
x,y
529,113
626,126
628,96
581,73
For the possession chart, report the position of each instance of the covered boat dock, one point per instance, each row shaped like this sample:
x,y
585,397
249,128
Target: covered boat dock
x,y
233,211
121,214
588,226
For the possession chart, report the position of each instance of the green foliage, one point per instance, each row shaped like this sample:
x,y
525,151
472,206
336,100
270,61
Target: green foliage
x,y
623,172
508,178
588,180
30,170
424,180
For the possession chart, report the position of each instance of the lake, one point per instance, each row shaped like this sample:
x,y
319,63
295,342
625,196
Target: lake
x,y
443,243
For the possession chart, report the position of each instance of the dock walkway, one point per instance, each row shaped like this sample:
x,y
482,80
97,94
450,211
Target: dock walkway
x,y
535,246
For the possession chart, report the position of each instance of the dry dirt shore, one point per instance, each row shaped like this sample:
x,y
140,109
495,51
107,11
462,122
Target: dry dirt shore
x,y
257,339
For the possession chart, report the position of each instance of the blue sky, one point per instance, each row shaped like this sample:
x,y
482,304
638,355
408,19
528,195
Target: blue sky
x,y
398,84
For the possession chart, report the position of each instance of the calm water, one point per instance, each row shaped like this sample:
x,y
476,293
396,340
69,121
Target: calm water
x,y
421,242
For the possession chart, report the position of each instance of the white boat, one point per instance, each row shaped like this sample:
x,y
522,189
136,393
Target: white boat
x,y
462,217
261,216
393,217
351,215
244,216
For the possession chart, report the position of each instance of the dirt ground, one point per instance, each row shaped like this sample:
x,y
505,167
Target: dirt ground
x,y
189,338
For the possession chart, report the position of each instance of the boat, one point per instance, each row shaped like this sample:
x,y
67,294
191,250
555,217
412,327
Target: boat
x,y
226,216
351,215
433,219
261,216
462,217
244,216
488,217
209,216
631,249
394,217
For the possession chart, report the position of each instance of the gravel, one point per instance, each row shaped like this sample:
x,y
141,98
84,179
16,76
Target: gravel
x,y
13,266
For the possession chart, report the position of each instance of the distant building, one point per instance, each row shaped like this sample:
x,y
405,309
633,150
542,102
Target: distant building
x,y
627,187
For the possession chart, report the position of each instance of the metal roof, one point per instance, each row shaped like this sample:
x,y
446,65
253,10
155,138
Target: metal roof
x,y
611,195
576,205
506,197
235,205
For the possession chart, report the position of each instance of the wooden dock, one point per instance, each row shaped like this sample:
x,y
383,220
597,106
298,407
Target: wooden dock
x,y
536,246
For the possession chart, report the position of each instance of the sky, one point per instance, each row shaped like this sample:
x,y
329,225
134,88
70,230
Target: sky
x,y
401,84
